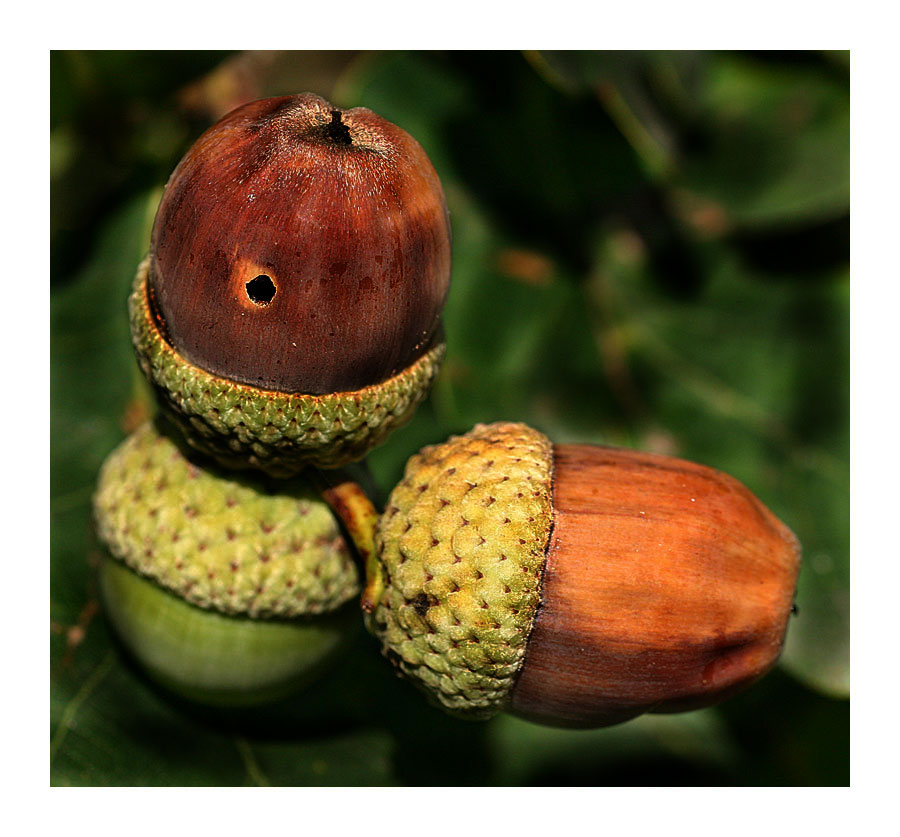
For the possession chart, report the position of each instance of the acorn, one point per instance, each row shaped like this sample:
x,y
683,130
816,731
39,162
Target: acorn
x,y
576,585
288,313
228,589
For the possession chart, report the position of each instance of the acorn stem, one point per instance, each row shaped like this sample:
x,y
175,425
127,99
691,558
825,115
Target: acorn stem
x,y
349,501
337,130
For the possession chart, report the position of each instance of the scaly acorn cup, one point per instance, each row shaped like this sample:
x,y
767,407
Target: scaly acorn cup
x,y
228,591
576,585
288,313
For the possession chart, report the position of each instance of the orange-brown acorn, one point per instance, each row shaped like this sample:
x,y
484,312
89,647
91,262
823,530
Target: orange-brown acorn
x,y
289,310
576,585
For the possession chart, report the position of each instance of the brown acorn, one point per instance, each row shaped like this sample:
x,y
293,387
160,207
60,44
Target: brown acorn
x,y
576,585
289,310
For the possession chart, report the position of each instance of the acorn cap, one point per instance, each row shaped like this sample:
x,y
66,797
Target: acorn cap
x,y
461,544
577,585
280,433
221,541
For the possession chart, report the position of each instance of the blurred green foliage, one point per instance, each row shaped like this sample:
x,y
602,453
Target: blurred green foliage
x,y
650,249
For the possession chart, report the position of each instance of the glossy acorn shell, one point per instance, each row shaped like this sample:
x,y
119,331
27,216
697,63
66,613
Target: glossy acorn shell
x,y
301,249
215,659
667,587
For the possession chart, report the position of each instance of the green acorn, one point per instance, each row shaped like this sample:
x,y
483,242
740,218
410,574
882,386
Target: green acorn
x,y
227,589
289,311
575,585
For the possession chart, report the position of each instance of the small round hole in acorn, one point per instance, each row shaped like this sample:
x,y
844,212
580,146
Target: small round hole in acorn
x,y
261,289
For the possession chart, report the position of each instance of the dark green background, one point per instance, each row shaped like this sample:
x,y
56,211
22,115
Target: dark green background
x,y
650,249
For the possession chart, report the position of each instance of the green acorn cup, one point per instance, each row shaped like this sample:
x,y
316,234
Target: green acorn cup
x,y
289,312
575,585
228,590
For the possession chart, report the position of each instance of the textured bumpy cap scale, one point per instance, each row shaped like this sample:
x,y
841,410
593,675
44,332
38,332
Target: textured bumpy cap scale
x,y
577,585
462,546
221,542
280,433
